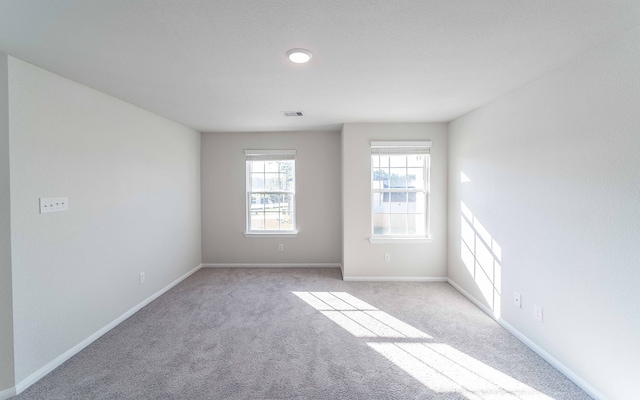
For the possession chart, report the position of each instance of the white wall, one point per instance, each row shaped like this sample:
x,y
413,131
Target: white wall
x,y
6,307
363,259
132,179
317,199
554,179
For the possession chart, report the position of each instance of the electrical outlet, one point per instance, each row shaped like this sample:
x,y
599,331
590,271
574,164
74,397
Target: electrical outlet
x,y
517,300
537,312
281,247
141,277
387,257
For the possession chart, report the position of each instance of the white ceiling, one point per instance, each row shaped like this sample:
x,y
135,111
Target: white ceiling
x,y
220,65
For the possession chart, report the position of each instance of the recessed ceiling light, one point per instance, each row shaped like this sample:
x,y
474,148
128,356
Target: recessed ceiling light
x,y
299,56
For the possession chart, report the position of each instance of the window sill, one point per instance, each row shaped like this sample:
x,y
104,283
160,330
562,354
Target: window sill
x,y
400,240
256,235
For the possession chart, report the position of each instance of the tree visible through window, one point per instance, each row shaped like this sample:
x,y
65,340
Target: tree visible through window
x,y
270,191
400,189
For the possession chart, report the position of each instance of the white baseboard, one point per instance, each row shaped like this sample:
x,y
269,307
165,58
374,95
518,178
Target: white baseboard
x,y
472,299
272,265
7,393
393,279
584,385
39,374
591,391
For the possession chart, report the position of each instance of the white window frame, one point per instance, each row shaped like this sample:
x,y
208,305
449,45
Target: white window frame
x,y
269,155
402,148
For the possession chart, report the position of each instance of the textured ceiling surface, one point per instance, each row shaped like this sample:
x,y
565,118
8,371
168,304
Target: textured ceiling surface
x,y
218,65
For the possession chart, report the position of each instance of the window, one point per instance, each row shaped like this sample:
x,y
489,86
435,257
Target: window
x,y
270,192
400,190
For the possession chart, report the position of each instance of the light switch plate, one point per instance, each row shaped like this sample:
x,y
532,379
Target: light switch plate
x,y
53,204
517,300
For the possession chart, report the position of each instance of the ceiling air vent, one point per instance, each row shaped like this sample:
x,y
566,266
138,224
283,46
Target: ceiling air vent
x,y
291,113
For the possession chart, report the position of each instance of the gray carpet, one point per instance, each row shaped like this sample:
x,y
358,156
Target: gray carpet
x,y
297,333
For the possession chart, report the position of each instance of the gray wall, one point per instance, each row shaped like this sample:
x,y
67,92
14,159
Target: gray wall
x,y
317,199
549,208
363,260
554,186
132,179
6,307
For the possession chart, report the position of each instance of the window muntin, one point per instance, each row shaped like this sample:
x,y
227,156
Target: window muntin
x,y
270,191
400,189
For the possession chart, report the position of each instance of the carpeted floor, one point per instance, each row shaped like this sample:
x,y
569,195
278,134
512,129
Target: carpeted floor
x,y
295,333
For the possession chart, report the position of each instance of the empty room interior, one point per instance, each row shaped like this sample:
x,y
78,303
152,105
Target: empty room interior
x,y
320,199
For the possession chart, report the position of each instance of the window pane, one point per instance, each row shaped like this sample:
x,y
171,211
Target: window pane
x,y
380,203
285,182
284,207
381,224
271,182
398,203
257,182
398,161
416,224
415,178
398,178
257,201
380,179
286,169
257,166
270,220
278,203
271,166
417,203
384,161
411,224
286,222
290,200
257,222
257,212
377,203
398,224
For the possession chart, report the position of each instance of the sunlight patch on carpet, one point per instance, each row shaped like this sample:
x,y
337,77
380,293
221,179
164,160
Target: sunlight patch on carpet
x,y
437,366
359,318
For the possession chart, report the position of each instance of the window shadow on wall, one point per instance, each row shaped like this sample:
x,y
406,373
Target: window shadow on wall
x,y
482,256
